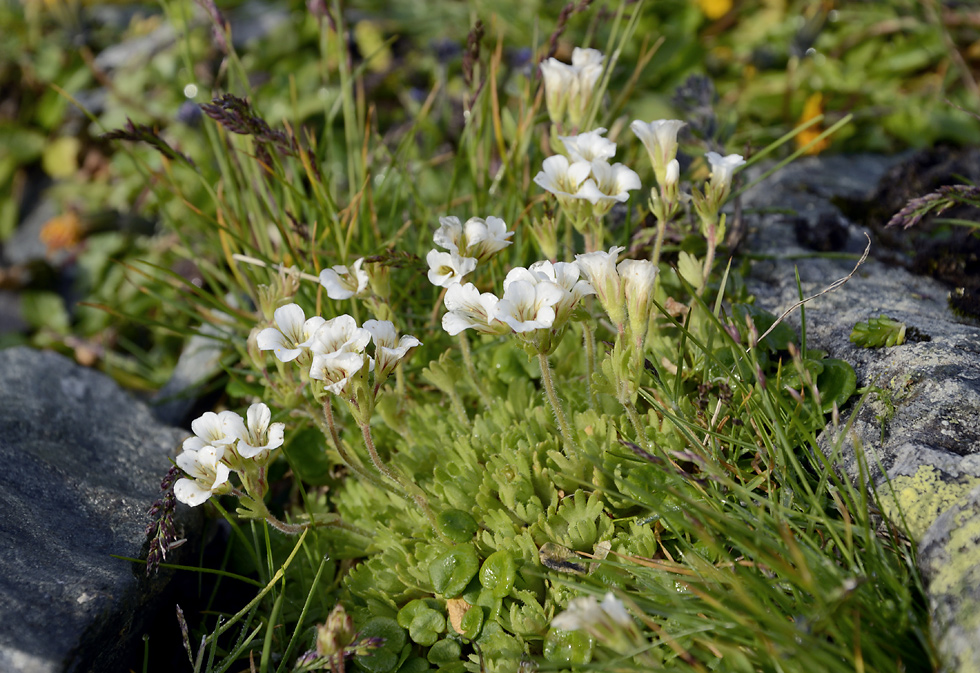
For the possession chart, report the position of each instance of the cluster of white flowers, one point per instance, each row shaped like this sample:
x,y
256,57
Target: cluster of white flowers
x,y
222,443
569,88
337,348
623,290
585,174
539,297
466,245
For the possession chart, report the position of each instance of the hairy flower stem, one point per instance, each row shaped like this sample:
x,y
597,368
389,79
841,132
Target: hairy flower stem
x,y
588,336
635,421
464,347
344,456
408,491
709,258
658,243
549,387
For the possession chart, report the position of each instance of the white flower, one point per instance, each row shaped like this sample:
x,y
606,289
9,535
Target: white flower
x,y
673,173
210,429
340,335
292,333
563,274
258,435
638,276
485,237
388,347
342,282
446,268
615,610
600,270
470,309
449,235
561,178
588,67
569,88
722,171
337,369
586,613
608,185
589,146
207,474
526,306
660,139
558,80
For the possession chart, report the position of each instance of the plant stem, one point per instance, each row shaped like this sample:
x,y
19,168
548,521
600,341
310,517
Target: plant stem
x,y
375,458
409,491
588,336
344,456
464,347
549,387
635,421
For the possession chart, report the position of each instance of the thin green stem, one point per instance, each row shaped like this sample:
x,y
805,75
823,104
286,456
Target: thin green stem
x,y
549,387
588,336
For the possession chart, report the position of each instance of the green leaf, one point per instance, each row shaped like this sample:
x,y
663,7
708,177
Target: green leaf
x,y
423,623
386,657
878,332
837,382
777,340
445,652
307,457
568,647
472,622
45,310
452,570
457,525
498,573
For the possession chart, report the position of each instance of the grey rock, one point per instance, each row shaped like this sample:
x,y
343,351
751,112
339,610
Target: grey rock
x,y
82,464
25,245
199,361
921,422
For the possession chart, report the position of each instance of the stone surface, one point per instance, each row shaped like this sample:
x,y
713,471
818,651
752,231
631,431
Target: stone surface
x,y
82,464
921,422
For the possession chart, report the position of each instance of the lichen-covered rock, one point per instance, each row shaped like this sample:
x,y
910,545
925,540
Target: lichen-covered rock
x,y
82,462
920,421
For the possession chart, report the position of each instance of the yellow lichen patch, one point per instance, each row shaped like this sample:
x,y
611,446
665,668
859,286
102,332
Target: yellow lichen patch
x,y
964,557
922,497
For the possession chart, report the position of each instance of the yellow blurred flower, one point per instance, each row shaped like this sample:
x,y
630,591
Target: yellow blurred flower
x,y
812,108
715,9
62,232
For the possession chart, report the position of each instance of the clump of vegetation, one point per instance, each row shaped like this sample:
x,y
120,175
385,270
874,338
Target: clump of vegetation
x,y
491,398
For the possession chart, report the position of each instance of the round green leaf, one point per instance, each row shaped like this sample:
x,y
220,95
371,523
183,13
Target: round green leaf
x,y
385,658
457,525
568,647
498,573
445,652
837,382
452,570
472,622
423,623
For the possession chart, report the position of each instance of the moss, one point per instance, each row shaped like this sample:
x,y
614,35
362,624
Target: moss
x,y
922,497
